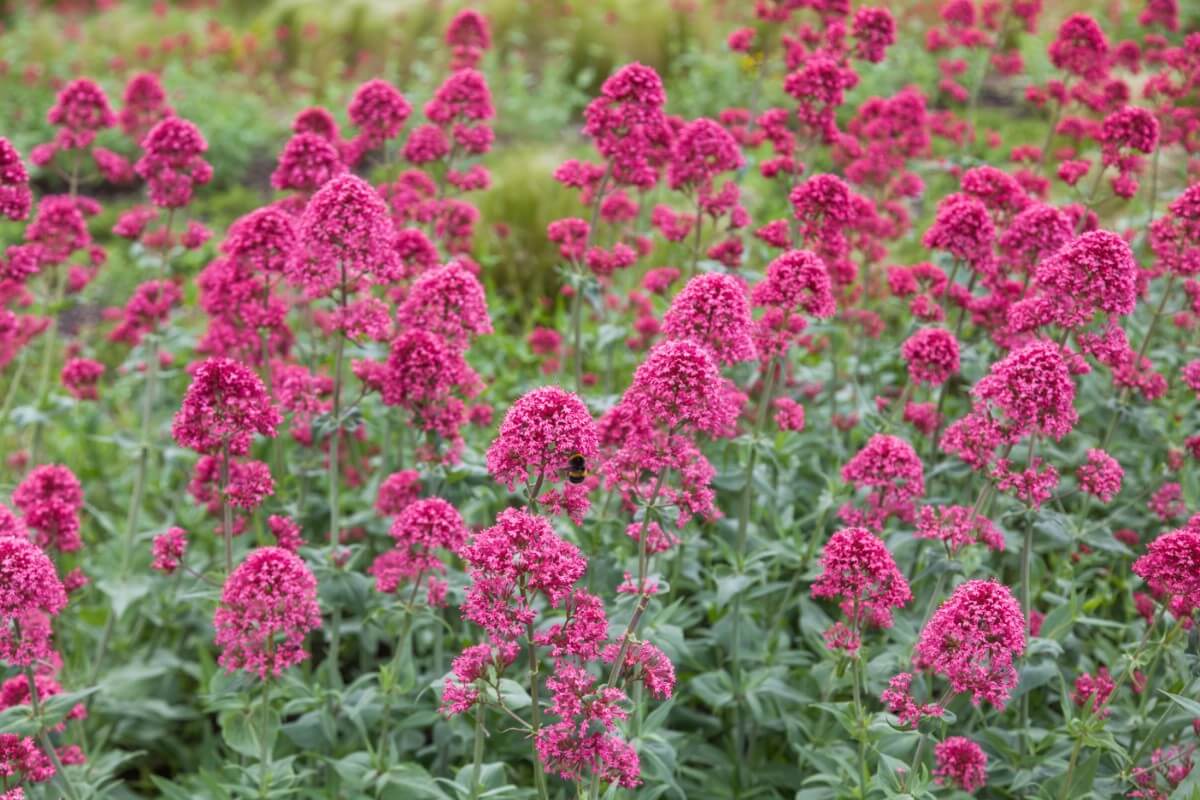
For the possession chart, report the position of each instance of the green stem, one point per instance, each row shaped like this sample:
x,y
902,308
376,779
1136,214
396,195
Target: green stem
x,y
335,673
577,334
44,737
477,762
49,344
539,772
264,760
13,387
226,509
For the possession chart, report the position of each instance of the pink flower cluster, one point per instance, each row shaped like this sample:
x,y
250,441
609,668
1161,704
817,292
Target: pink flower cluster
x,y
268,606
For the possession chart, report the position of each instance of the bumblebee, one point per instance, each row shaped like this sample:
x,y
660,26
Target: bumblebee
x,y
576,468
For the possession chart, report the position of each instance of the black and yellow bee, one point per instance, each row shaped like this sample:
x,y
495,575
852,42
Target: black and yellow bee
x,y
576,468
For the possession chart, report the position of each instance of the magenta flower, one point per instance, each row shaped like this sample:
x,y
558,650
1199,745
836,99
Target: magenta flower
x,y
225,406
1171,566
268,606
932,356
645,663
50,497
379,110
1175,237
957,526
899,700
678,386
171,164
892,470
961,763
307,163
972,641
873,31
459,693
345,233
1033,387
15,196
81,376
701,150
964,229
425,526
1081,48
586,740
511,562
169,549
145,103
797,280
264,240
1096,272
30,593
713,310
1100,476
396,491
628,125
540,434
858,569
448,301
80,110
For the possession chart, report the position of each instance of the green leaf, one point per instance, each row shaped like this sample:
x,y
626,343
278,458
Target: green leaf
x,y
125,592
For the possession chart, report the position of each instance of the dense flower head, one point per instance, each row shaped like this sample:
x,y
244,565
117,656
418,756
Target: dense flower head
x,y
268,606
469,35
396,491
30,591
1034,234
307,163
344,233
1100,476
873,30
999,192
701,150
426,525
51,497
931,354
797,279
264,239
15,197
628,125
518,557
973,639
957,526
1175,236
462,98
1034,389
1171,566
80,110
1081,48
960,763
858,570
541,433
144,104
171,163
21,759
225,405
1094,690
58,229
379,110
1129,128
148,308
168,550
964,229
713,309
449,301
422,369
81,376
892,470
678,386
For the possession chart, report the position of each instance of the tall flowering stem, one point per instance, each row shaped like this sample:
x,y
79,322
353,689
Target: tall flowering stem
x,y
148,394
44,736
